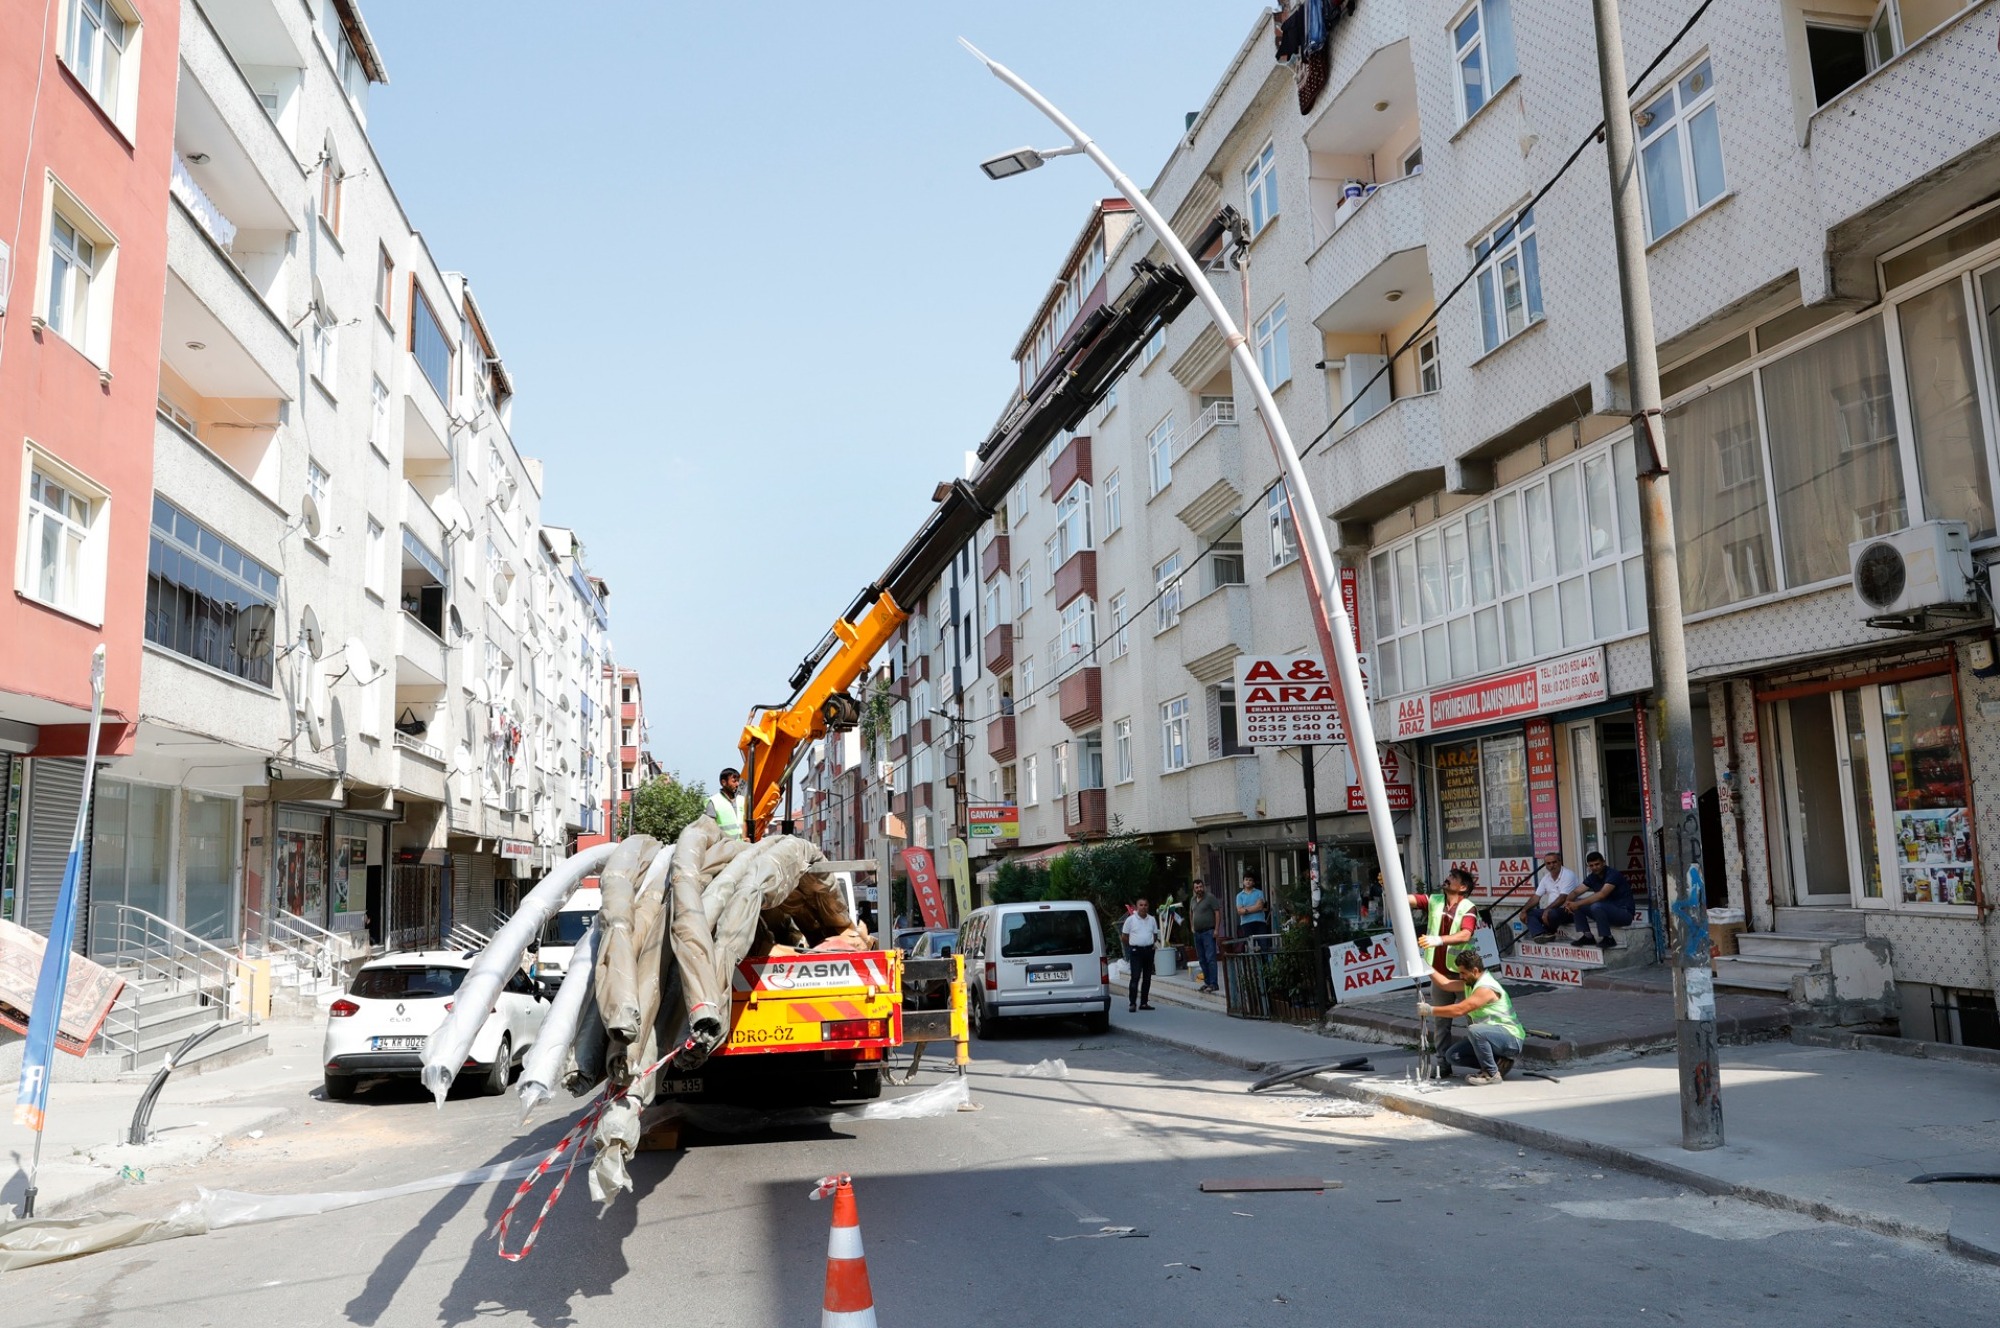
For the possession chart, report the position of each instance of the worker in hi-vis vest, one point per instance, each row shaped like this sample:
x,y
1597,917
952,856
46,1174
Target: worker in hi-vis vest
x,y
726,806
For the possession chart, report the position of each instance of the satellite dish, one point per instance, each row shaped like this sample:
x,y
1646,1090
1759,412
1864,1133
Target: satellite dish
x,y
458,632
451,514
309,636
309,516
253,631
315,718
461,759
358,662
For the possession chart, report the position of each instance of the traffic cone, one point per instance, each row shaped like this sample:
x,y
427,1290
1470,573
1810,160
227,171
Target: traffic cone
x,y
849,1301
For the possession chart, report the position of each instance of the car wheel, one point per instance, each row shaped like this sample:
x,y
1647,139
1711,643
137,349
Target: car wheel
x,y
339,1087
501,1070
985,1024
1098,1023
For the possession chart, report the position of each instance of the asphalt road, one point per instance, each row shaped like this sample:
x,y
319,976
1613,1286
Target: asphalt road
x,y
995,1217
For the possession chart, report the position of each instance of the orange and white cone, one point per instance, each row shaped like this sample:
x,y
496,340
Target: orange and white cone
x,y
850,1303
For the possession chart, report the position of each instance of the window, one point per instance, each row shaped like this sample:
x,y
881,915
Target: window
x,y
319,488
197,586
429,343
1114,508
1073,522
1274,347
1121,750
1025,599
62,549
1167,582
996,601
1838,57
1413,161
1027,681
1051,559
1222,736
1174,735
385,285
75,259
1160,454
1030,794
1047,462
1017,504
1154,345
94,44
1059,768
1510,279
332,184
378,558
1680,150
1260,188
378,418
325,345
1284,534
1430,370
1483,40
1120,638
1077,643
1225,561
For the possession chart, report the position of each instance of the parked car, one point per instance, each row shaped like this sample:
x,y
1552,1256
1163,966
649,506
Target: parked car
x,y
906,937
1035,959
934,944
379,1027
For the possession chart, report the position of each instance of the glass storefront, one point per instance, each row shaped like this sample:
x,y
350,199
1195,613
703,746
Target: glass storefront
x,y
299,863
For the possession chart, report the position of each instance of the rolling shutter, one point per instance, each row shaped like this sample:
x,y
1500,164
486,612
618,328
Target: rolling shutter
x,y
55,787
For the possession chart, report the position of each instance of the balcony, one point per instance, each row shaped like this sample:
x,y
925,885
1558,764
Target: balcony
x,y
628,757
1075,578
1226,788
1208,472
245,162
1080,698
1084,814
922,730
923,796
1000,739
920,669
1392,459
420,655
1000,649
1214,630
419,772
899,746
1071,465
217,334
1378,251
993,559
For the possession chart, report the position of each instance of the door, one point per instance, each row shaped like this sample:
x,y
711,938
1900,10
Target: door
x,y
1624,802
1588,783
1814,773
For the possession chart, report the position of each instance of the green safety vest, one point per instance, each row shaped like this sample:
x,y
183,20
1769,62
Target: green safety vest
x,y
1435,928
1500,1010
728,814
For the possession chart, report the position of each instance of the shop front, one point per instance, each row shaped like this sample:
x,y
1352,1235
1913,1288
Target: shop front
x,y
165,851
327,867
1350,873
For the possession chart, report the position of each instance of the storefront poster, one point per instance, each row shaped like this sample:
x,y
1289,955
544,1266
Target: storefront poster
x,y
1361,967
1934,855
1459,801
1542,809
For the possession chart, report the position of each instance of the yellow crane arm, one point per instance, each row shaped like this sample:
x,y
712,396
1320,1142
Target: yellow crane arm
x,y
773,735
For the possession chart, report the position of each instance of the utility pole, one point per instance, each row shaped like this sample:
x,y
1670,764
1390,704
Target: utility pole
x,y
1312,829
1680,831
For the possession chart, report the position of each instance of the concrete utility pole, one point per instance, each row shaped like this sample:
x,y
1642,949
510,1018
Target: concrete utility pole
x,y
1680,824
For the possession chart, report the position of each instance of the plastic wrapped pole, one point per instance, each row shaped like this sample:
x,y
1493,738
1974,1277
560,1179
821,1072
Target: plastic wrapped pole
x,y
446,1051
617,975
543,1064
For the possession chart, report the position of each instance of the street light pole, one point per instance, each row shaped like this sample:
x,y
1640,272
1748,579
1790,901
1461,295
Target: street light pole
x,y
1329,615
1680,837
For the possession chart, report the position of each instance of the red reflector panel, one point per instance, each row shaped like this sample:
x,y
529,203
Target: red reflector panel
x,y
850,1030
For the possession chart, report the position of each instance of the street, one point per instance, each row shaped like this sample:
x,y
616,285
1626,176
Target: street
x,y
994,1217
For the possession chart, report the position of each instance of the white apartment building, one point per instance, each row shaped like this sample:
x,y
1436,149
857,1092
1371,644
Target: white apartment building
x,y
1825,257
370,672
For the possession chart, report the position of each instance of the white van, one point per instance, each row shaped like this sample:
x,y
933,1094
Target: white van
x,y
1035,959
565,929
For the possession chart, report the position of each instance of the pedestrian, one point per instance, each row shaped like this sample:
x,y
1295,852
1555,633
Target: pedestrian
x,y
1493,1034
1450,929
1554,884
1201,917
1605,898
726,804
1253,914
1141,931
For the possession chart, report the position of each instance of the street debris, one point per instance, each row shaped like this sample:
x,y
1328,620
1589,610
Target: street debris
x,y
1350,1065
1050,1069
1268,1184
1339,1108
1120,1233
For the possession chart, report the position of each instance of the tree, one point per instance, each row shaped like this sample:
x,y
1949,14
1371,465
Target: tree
x,y
1015,883
1111,874
664,806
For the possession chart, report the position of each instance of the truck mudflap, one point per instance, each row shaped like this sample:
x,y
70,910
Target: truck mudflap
x,y
841,1003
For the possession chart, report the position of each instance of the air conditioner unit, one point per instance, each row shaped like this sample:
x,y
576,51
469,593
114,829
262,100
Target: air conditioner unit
x,y
1910,578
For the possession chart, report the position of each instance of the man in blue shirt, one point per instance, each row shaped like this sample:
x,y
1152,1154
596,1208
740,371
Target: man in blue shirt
x,y
1604,898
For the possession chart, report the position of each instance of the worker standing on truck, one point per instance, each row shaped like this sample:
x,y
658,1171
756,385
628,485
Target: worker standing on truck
x,y
726,804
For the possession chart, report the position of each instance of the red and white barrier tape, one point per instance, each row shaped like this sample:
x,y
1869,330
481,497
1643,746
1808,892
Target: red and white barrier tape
x,y
828,1184
571,1140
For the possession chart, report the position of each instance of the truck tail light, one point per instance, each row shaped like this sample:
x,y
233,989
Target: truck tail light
x,y
992,976
853,1030
1103,971
342,1008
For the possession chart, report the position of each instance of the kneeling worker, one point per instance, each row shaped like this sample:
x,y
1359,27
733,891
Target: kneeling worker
x,y
1493,1039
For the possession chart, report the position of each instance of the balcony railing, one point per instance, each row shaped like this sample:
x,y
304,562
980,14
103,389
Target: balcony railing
x,y
1218,412
409,744
182,186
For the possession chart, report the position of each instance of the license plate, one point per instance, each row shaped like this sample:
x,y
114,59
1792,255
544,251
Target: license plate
x,y
1048,972
398,1043
681,1087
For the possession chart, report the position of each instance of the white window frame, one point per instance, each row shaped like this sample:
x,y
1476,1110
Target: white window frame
x,y
1430,368
1121,751
1520,251
1260,188
1073,534
1076,643
81,557
1024,683
329,197
1274,347
1030,793
1114,506
325,347
1059,768
1160,454
1155,344
1174,734
1121,635
378,558
1284,532
99,59
74,290
1168,582
1017,504
319,487
1024,597
378,418
1479,44
1684,108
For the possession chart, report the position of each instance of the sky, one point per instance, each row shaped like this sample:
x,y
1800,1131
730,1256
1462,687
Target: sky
x,y
756,296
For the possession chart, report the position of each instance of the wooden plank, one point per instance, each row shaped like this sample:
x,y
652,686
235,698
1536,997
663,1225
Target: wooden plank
x,y
1267,1184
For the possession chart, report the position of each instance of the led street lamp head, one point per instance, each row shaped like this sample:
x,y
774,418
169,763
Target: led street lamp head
x,y
1018,162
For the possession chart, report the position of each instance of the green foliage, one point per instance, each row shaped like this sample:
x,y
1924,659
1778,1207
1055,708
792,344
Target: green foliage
x,y
1015,883
875,715
663,807
1111,874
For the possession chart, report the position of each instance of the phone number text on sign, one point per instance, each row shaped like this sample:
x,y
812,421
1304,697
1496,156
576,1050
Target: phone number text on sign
x,y
1286,700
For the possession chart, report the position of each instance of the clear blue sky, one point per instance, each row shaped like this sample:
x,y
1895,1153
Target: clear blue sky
x,y
755,293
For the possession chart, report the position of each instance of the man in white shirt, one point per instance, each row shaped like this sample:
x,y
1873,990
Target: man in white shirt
x,y
1554,884
1141,931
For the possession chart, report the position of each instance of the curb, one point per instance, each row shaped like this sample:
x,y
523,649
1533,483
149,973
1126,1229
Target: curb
x,y
1600,1154
111,1183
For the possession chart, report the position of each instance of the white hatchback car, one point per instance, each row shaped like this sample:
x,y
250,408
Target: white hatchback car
x,y
378,1029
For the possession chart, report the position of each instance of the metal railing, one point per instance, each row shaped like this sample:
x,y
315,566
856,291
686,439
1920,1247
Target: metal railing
x,y
1218,412
419,746
1291,986
148,950
316,954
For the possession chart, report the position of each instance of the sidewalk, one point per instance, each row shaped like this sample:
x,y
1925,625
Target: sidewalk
x,y
83,1148
1830,1131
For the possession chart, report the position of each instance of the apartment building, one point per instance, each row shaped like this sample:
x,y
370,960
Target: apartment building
x,y
87,93
635,760
1825,257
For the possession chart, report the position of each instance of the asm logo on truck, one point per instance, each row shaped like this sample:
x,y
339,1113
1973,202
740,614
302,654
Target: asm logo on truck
x,y
812,973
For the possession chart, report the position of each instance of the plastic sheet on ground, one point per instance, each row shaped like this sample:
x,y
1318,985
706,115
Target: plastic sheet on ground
x,y
938,1100
1338,1109
1052,1069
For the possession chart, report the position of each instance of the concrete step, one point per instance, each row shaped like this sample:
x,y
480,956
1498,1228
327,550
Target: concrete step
x,y
1768,974
1794,921
1779,945
229,1047
180,1023
163,1040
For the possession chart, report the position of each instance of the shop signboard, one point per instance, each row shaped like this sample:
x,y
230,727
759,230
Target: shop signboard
x,y
1570,956
1287,701
1368,965
992,820
1555,684
961,874
516,849
1529,970
1395,781
924,885
1542,811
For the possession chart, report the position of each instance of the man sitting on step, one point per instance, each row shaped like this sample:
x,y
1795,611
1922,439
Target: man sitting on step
x,y
1605,898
